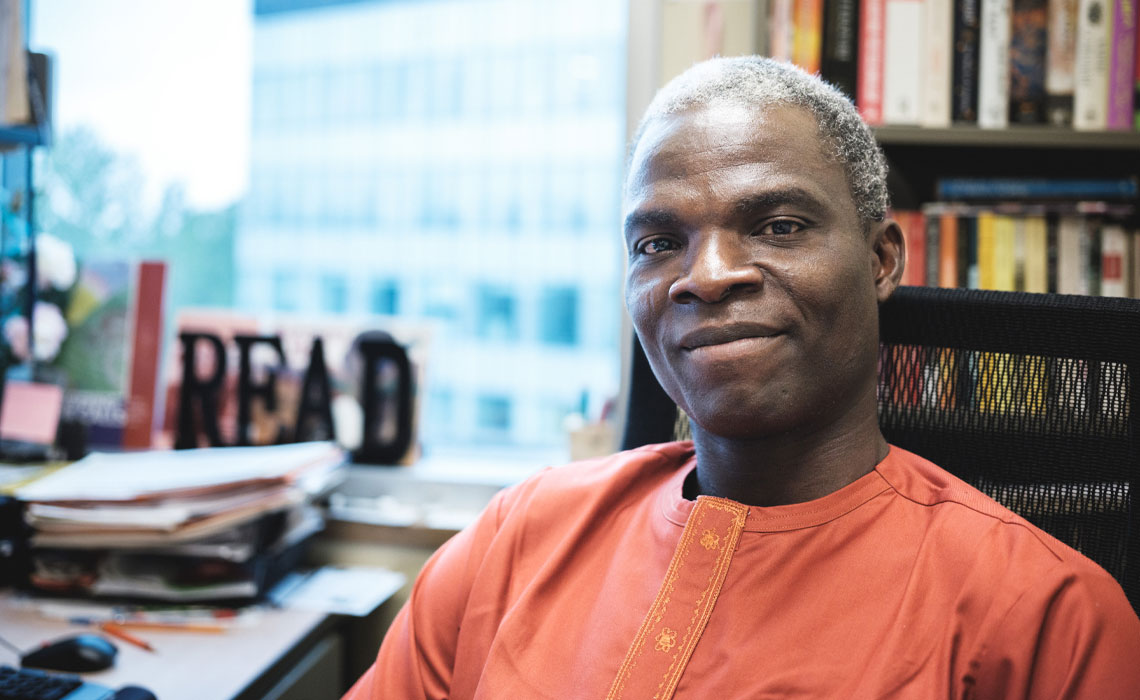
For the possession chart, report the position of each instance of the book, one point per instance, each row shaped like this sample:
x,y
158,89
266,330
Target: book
x,y
839,60
933,226
937,62
987,251
948,275
869,86
903,71
781,30
993,64
1122,66
111,355
967,31
808,21
1061,59
1072,252
914,229
142,381
1004,258
1036,233
1114,269
988,188
1027,62
1090,91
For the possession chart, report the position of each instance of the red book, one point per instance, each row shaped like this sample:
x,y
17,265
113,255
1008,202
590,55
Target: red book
x,y
869,85
913,225
144,358
808,34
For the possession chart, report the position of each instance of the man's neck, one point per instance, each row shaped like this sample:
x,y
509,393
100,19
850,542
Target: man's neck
x,y
787,469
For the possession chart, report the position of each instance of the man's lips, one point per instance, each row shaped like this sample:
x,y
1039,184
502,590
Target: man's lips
x,y
726,333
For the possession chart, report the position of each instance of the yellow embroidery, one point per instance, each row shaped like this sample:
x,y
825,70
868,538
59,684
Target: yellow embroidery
x,y
710,540
666,640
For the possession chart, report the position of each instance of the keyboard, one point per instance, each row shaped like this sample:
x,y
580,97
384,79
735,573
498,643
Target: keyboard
x,y
30,684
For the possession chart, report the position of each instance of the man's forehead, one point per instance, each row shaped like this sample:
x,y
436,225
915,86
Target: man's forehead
x,y
674,144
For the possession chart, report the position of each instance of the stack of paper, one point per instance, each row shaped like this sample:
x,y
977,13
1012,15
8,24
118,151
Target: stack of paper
x,y
183,525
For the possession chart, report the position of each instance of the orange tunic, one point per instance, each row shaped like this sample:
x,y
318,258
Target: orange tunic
x,y
599,580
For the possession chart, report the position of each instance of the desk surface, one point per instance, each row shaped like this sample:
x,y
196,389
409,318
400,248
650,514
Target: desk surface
x,y
184,665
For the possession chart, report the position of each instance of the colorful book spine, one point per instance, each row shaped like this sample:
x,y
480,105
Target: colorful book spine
x,y
938,60
869,87
781,30
1071,252
1027,62
1113,261
902,62
1004,255
142,384
914,229
967,29
1134,263
808,22
1090,92
987,251
993,65
1122,66
1136,96
1036,278
933,226
948,275
1061,56
986,188
839,63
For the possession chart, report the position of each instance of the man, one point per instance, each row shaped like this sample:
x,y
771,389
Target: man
x,y
788,551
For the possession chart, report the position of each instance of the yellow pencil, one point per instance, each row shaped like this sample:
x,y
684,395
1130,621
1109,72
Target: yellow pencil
x,y
115,630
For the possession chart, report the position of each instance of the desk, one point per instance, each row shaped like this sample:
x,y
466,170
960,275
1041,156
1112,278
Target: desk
x,y
283,655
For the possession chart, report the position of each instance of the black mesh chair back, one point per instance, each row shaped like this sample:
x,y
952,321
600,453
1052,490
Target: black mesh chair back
x,y
1032,398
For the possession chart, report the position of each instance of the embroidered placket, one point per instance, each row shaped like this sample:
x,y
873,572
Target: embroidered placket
x,y
673,626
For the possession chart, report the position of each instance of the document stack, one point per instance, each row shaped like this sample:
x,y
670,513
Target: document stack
x,y
213,524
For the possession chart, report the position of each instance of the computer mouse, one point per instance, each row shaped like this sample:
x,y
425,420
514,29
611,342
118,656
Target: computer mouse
x,y
82,652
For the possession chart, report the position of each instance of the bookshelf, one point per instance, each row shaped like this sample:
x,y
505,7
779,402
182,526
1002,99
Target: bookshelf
x,y
919,156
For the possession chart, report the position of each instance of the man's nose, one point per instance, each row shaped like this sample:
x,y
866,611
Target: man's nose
x,y
718,265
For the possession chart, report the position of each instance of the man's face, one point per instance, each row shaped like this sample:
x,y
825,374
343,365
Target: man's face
x,y
751,282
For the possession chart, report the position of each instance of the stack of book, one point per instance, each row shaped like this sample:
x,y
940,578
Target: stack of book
x,y
207,524
989,63
1027,236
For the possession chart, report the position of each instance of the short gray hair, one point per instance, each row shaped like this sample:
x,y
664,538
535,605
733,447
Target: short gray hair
x,y
755,81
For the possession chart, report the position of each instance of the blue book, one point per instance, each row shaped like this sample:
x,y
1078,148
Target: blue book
x,y
970,188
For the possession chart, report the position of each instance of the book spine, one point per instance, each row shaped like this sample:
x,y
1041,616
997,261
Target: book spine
x,y
1037,188
142,391
839,63
1004,256
1136,92
1134,262
967,26
948,250
869,87
1090,92
1113,256
902,62
781,30
987,251
1122,68
968,242
993,65
914,230
808,22
1036,254
1070,262
1027,62
937,85
1061,56
933,226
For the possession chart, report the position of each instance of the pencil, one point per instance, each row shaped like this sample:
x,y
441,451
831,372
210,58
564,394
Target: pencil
x,y
116,631
175,626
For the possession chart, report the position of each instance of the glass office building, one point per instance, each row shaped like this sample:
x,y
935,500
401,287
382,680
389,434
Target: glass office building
x,y
457,162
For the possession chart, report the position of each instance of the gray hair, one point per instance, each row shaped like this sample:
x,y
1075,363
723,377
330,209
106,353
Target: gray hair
x,y
755,81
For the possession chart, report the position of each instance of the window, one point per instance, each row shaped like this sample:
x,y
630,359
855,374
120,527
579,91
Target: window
x,y
353,158
495,314
558,323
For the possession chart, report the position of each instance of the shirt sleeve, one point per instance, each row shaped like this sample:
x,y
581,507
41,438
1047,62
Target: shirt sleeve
x,y
1072,636
417,657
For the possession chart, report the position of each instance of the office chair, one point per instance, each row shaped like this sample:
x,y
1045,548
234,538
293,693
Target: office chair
x,y
1032,398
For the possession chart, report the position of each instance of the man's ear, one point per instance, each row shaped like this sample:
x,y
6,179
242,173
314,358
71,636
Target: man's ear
x,y
888,257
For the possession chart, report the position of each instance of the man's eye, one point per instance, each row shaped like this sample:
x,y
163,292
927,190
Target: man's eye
x,y
781,227
657,245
